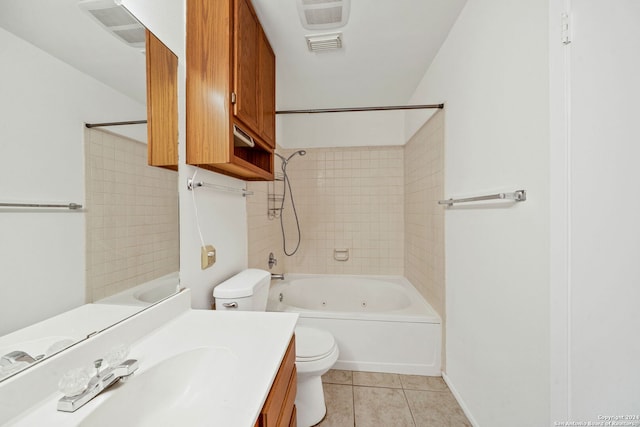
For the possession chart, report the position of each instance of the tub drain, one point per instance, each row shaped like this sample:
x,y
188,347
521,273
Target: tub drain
x,y
363,304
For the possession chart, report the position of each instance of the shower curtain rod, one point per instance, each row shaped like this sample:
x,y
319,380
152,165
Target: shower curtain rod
x,y
354,109
132,122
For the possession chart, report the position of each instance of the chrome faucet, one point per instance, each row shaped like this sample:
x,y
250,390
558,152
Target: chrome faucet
x,y
277,276
18,356
272,260
101,381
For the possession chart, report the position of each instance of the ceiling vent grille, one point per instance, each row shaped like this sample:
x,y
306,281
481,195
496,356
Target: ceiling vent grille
x,y
117,20
324,42
323,14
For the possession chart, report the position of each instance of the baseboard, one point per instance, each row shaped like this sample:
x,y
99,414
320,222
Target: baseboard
x,y
391,368
464,407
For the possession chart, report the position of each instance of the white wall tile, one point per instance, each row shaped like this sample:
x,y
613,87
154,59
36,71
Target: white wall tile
x,y
131,216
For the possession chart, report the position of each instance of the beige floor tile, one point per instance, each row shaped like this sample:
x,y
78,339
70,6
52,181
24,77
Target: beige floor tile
x,y
339,401
336,376
375,407
435,409
419,382
376,379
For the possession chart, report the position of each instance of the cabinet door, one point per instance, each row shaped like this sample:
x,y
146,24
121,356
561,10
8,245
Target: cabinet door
x,y
246,32
267,90
162,104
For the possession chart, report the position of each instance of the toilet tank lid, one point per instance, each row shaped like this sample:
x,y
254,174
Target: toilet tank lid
x,y
243,284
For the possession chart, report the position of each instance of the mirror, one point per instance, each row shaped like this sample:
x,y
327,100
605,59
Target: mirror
x,y
62,69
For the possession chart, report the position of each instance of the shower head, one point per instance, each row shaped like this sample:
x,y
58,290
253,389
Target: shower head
x,y
300,152
285,161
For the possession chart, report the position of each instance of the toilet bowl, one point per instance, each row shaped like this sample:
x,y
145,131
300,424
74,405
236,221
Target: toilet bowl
x,y
316,353
316,349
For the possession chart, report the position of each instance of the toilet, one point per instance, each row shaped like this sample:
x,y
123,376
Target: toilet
x,y
316,349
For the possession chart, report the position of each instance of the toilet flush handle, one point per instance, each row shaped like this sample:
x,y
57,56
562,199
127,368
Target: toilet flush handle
x,y
230,305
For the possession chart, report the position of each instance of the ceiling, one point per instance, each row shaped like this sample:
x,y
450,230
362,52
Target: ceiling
x,y
387,47
63,30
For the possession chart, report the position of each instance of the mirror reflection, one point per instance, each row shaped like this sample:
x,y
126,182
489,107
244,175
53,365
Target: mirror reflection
x,y
62,69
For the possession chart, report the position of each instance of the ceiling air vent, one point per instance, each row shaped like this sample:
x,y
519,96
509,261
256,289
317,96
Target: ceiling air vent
x,y
323,14
324,42
117,20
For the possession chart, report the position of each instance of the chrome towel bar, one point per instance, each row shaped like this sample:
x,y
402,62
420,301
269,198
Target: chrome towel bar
x,y
517,196
191,184
72,206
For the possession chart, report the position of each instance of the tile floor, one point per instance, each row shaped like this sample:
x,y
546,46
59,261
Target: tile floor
x,y
370,399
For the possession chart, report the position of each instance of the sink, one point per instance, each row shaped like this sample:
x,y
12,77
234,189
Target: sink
x,y
156,294
181,390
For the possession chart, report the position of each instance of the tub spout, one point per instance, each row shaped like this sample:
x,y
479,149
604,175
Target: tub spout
x,y
277,276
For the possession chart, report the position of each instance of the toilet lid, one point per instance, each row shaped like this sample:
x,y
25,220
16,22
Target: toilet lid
x,y
313,344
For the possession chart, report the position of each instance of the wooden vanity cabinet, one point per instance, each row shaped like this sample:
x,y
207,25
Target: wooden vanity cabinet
x,y
230,83
279,408
162,104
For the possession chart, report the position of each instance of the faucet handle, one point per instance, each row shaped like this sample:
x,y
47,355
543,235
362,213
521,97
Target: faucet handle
x,y
116,355
74,382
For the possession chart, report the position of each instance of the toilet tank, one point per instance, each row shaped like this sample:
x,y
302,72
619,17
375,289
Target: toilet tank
x,y
247,291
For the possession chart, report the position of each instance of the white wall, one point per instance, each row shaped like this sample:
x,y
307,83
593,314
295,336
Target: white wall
x,y
492,73
222,216
44,104
595,320
356,129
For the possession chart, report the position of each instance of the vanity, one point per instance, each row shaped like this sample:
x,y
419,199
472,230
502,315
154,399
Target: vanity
x,y
196,367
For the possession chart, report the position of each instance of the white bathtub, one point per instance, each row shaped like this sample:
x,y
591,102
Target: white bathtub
x,y
381,323
147,293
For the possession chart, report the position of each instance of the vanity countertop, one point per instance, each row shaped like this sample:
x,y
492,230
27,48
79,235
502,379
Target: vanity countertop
x,y
257,341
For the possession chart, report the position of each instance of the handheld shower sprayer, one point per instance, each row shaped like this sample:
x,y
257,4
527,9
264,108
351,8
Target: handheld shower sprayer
x,y
286,160
287,184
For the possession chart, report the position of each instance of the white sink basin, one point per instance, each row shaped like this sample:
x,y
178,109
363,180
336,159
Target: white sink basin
x,y
181,390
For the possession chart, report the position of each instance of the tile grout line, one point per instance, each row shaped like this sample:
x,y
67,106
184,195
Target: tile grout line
x,y
353,403
413,417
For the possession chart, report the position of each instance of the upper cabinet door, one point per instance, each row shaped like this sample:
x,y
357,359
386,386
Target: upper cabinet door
x,y
162,104
246,36
267,90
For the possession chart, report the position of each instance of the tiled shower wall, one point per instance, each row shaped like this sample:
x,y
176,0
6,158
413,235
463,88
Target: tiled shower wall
x,y
346,198
264,233
423,217
131,215
380,203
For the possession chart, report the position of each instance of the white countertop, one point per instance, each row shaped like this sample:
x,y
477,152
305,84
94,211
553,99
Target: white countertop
x,y
257,339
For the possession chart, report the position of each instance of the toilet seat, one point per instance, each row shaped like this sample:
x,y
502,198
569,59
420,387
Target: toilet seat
x,y
313,344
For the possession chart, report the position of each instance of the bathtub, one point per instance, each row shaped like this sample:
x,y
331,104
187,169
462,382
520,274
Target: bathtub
x,y
147,293
381,323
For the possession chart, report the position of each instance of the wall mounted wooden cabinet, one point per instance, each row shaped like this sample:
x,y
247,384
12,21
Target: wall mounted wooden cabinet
x,y
230,84
162,104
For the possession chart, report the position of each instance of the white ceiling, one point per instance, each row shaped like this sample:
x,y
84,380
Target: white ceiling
x,y
62,29
388,46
